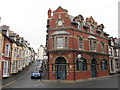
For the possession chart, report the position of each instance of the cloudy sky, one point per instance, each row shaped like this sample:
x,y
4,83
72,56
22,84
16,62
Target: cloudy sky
x,y
28,18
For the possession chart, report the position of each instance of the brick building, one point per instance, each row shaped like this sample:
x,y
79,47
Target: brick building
x,y
77,47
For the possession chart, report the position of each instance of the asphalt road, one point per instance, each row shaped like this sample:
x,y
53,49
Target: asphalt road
x,y
25,81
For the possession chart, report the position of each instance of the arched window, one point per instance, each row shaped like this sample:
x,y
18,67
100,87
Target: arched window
x,y
103,65
81,64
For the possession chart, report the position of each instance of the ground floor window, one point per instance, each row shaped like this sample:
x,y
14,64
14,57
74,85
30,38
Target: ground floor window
x,y
81,64
103,65
6,67
14,65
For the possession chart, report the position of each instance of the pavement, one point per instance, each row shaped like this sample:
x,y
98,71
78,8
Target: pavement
x,y
79,80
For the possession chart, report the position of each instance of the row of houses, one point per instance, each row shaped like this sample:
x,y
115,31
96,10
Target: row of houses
x,y
79,48
15,52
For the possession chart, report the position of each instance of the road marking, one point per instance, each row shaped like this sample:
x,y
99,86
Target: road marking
x,y
17,78
7,84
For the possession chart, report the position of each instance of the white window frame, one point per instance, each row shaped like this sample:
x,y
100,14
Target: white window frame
x,y
7,50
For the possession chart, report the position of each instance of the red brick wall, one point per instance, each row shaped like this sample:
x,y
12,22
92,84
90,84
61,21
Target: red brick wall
x,y
73,38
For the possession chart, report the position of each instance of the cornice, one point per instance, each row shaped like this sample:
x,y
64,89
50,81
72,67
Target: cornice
x,y
78,51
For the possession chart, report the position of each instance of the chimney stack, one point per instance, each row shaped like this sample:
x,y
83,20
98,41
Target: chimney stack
x,y
49,13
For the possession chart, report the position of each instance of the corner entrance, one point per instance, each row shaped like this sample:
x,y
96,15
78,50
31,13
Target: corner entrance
x,y
60,67
93,68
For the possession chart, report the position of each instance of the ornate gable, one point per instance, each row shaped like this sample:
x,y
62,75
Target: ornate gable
x,y
60,9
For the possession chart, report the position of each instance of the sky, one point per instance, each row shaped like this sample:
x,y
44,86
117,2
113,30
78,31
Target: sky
x,y
28,18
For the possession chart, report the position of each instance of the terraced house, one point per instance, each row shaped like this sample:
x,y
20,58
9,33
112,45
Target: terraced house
x,y
16,52
1,45
7,51
114,58
77,47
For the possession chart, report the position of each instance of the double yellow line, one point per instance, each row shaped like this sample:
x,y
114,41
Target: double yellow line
x,y
7,84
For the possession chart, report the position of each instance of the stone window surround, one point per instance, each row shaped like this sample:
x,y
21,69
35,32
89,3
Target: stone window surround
x,y
55,47
80,37
92,46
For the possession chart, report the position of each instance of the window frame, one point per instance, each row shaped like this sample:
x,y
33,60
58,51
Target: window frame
x,y
81,65
7,50
80,45
92,29
62,43
104,64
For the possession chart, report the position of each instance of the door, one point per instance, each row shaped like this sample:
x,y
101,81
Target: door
x,y
60,69
93,68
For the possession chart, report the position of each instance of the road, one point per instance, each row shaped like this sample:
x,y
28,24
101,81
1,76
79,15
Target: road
x,y
25,81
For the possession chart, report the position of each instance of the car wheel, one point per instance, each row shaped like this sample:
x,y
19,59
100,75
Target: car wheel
x,y
31,77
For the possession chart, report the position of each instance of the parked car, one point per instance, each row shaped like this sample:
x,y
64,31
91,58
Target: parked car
x,y
36,74
39,68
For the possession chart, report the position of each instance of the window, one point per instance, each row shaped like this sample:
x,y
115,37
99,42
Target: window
x,y
53,42
14,65
91,45
7,50
116,52
59,43
66,42
94,45
110,51
81,64
5,67
80,43
117,63
79,25
15,53
91,29
111,62
102,47
103,65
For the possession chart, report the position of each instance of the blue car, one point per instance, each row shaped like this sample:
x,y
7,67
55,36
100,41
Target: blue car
x,y
36,74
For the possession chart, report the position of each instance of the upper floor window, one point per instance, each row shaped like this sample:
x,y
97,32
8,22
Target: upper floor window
x,y
7,50
80,43
116,52
66,42
79,25
102,47
59,43
91,29
53,42
103,65
93,45
110,51
15,52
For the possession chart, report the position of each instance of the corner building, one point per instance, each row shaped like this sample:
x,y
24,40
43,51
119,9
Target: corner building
x,y
77,47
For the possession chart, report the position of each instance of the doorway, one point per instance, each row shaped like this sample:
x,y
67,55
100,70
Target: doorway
x,y
60,66
93,68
